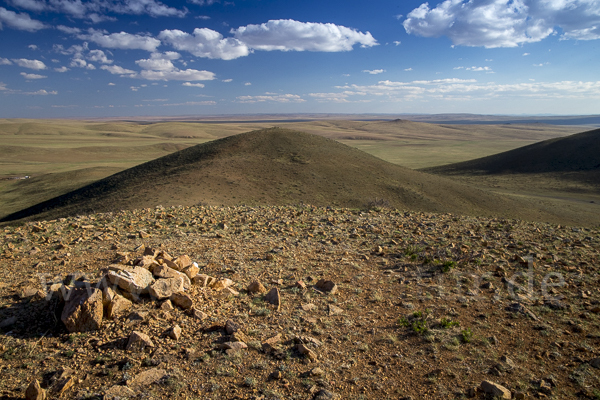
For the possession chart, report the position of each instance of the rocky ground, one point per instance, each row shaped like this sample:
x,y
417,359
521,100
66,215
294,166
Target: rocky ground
x,y
298,302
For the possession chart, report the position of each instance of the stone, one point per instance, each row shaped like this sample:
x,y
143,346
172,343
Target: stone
x,y
496,390
147,377
108,294
199,314
234,346
182,300
183,262
305,351
231,327
64,385
595,363
222,284
269,344
175,332
204,280
256,288
317,372
167,306
300,285
163,271
138,341
191,271
34,391
273,297
334,310
326,286
324,395
276,375
134,280
117,306
83,311
164,288
118,392
309,307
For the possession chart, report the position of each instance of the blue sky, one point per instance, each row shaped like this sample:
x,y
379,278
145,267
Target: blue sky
x,y
104,58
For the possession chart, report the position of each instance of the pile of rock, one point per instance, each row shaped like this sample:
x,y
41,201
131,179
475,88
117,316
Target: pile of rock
x,y
155,274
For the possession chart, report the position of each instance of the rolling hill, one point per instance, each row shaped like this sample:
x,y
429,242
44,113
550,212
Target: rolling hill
x,y
574,153
275,166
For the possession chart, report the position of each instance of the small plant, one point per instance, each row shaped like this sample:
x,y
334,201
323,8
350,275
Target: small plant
x,y
466,335
447,266
250,381
447,323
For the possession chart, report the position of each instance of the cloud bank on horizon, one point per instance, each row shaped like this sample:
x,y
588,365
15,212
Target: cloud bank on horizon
x,y
283,64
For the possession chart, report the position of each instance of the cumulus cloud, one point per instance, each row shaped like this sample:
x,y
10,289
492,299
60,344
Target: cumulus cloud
x,y
41,92
189,84
5,61
117,70
99,56
31,64
121,40
283,35
61,69
160,67
282,98
290,35
205,43
374,71
193,103
20,21
505,23
32,76
95,10
69,30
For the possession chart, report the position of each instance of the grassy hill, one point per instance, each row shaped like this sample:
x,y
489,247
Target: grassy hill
x,y
276,166
579,152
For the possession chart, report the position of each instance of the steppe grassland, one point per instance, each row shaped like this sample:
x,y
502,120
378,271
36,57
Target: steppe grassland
x,y
63,155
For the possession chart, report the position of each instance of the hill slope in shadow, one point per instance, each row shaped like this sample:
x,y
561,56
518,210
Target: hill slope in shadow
x,y
574,153
276,166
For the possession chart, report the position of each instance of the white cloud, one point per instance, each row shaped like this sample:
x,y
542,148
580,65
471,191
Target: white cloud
x,y
290,35
81,63
61,69
99,56
178,75
193,103
32,76
505,23
374,71
526,54
121,40
227,80
41,92
282,98
397,42
31,64
470,89
117,70
204,2
69,30
248,84
160,67
408,69
205,43
3,86
32,47
189,84
20,21
111,84
5,61
479,69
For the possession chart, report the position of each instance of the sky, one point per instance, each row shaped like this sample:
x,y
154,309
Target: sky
x,y
116,58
